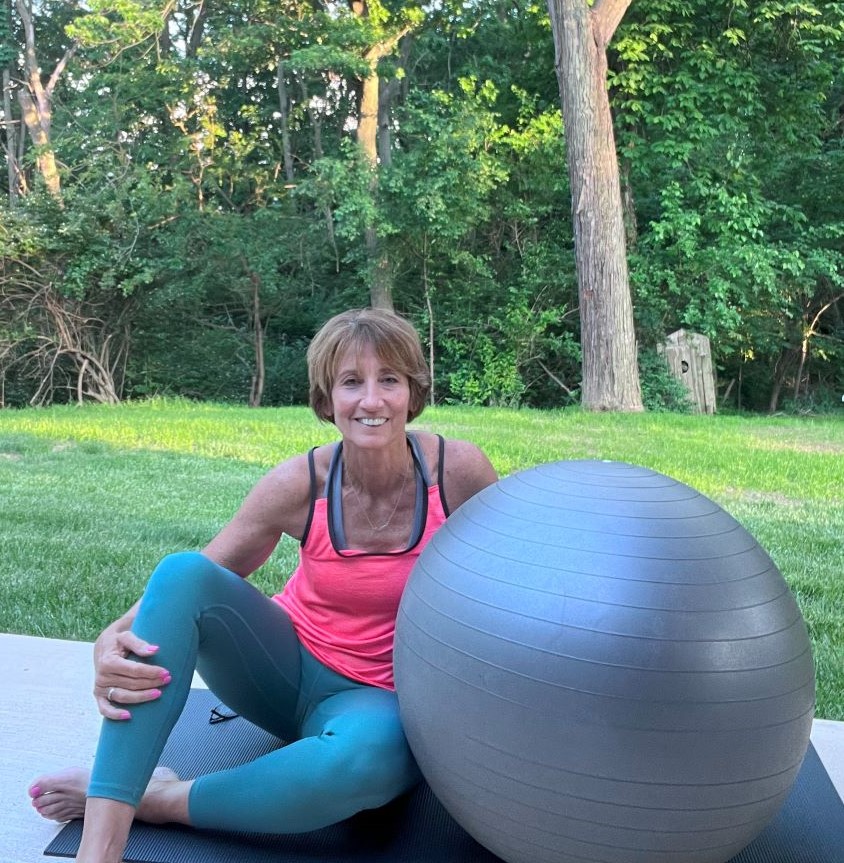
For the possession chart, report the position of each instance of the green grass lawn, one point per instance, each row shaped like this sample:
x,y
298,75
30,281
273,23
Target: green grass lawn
x,y
93,497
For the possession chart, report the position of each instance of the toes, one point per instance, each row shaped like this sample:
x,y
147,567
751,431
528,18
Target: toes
x,y
60,796
43,784
61,809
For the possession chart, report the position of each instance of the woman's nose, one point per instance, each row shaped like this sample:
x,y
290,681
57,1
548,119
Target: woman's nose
x,y
372,395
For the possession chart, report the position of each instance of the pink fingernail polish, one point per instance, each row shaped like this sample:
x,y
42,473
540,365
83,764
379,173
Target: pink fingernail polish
x,y
156,693
165,677
35,791
125,714
151,648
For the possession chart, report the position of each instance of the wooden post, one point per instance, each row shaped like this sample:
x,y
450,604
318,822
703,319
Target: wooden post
x,y
690,359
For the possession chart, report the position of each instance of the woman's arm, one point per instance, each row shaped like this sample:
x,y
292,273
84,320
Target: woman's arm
x,y
278,504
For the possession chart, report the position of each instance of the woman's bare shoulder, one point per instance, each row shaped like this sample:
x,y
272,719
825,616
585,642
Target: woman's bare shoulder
x,y
278,504
466,471
289,479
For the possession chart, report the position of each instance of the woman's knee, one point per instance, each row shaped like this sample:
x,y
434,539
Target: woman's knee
x,y
183,569
376,761
181,583
384,772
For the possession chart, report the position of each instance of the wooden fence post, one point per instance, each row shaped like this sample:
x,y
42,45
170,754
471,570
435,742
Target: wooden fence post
x,y
690,359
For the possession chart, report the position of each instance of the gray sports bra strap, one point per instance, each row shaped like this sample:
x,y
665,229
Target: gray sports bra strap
x,y
419,458
420,508
330,481
313,496
334,495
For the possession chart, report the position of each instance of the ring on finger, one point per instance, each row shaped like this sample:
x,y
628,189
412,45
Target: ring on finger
x,y
110,693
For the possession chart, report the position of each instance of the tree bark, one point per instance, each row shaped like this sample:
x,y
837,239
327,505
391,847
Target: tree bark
x,y
196,31
316,127
12,165
284,110
380,285
389,92
608,341
810,330
381,281
36,102
429,305
256,390
784,362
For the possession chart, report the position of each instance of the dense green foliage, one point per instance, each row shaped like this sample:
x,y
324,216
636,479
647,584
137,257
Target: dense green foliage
x,y
93,497
214,202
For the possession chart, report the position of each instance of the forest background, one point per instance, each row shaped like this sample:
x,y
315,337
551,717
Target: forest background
x,y
193,186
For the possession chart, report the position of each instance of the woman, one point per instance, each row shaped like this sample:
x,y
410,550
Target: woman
x,y
312,665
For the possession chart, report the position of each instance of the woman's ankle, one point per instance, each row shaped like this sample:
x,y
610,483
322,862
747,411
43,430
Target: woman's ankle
x,y
166,799
105,831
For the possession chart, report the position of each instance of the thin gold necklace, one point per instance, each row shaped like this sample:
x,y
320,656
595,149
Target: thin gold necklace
x,y
378,528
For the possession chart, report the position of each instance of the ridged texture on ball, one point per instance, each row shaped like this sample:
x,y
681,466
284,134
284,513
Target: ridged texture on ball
x,y
595,662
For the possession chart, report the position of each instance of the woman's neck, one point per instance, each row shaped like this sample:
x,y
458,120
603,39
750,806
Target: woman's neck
x,y
374,472
378,499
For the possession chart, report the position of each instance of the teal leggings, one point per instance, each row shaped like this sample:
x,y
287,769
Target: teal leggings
x,y
348,749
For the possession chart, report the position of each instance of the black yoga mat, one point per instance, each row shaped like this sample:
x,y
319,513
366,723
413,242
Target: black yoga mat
x,y
414,829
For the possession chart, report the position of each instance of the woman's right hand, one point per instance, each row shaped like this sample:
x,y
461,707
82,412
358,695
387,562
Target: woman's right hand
x,y
119,678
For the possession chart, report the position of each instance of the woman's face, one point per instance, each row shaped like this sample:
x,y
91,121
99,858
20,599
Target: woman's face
x,y
370,400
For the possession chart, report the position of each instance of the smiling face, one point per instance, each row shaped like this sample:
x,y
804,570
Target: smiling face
x,y
370,400
391,337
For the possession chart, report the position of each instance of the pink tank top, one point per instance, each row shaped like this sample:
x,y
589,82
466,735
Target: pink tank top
x,y
343,603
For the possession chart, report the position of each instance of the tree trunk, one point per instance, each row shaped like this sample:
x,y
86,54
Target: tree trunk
x,y
38,120
386,93
801,366
284,110
367,131
380,273
196,30
608,341
389,92
784,362
316,127
429,305
380,284
809,331
36,101
12,167
256,392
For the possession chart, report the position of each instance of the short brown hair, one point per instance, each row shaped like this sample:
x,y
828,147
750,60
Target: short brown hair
x,y
392,338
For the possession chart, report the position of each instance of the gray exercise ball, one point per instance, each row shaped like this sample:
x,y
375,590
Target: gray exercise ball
x,y
595,662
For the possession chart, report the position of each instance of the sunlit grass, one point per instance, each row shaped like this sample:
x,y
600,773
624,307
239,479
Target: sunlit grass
x,y
92,498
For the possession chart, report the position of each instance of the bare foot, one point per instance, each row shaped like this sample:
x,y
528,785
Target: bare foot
x,y
61,796
165,800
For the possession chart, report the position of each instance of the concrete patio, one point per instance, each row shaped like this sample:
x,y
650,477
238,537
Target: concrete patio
x,y
48,720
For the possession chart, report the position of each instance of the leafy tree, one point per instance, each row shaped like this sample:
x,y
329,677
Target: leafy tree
x,y
724,117
216,194
35,93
